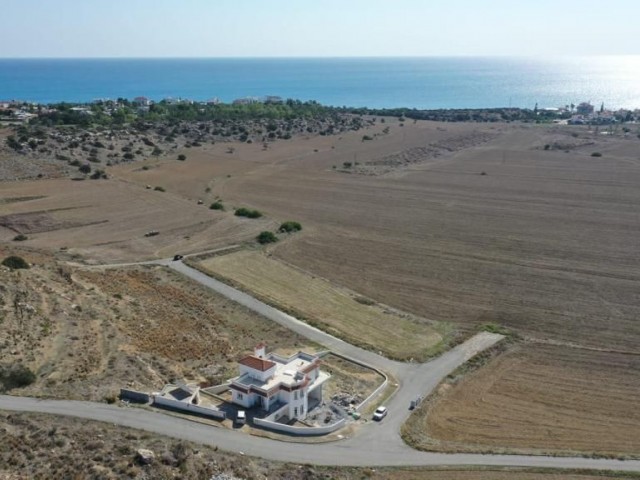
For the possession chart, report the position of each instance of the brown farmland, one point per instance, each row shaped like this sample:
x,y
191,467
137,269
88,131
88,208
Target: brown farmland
x,y
460,223
546,398
334,309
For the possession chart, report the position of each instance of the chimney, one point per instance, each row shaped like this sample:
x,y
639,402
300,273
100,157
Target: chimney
x,y
260,350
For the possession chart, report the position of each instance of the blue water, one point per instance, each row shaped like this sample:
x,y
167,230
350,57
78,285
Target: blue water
x,y
374,82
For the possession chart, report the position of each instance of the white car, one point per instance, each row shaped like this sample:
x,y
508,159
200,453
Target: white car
x,y
380,413
241,417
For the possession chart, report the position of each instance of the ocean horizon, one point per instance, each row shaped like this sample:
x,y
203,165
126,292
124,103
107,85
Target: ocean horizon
x,y
375,82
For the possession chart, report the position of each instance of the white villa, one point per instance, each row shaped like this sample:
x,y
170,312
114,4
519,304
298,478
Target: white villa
x,y
272,381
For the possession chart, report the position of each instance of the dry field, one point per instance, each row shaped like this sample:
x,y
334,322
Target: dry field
x,y
544,242
45,447
547,398
87,333
334,309
459,223
106,220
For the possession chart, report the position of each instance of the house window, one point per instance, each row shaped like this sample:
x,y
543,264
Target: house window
x,y
302,410
295,395
295,412
239,396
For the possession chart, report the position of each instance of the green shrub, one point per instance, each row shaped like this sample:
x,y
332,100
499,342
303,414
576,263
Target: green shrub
x,y
596,154
246,212
366,138
16,376
182,157
217,206
159,189
290,227
86,168
266,237
20,238
98,174
15,263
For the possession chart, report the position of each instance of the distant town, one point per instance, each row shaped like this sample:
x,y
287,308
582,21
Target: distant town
x,y
122,110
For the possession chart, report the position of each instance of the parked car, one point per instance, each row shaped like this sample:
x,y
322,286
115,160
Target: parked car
x,y
241,417
380,413
177,257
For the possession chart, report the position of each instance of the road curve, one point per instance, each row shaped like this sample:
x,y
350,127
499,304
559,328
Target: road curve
x,y
351,452
375,444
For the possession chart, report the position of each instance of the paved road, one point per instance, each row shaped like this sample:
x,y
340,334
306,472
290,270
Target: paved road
x,y
377,451
375,444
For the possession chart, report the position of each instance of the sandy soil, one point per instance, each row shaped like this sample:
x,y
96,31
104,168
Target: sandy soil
x,y
86,334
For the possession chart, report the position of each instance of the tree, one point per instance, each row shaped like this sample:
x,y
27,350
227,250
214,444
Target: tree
x,y
182,157
266,237
15,263
86,168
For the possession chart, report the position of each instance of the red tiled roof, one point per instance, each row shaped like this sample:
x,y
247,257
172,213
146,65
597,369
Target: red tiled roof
x,y
257,363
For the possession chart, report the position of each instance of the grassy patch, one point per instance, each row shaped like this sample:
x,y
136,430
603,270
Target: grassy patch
x,y
327,306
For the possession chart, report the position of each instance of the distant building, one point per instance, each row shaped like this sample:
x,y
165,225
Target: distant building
x,y
142,101
245,101
213,101
585,108
273,99
272,381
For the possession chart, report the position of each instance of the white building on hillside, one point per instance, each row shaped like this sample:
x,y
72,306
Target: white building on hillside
x,y
272,381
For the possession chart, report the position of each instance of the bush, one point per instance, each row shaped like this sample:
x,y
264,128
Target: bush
x,y
20,238
366,138
16,376
98,174
596,154
245,212
217,206
86,168
182,157
15,263
266,237
159,189
289,227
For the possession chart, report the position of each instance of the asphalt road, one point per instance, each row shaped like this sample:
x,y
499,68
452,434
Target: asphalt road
x,y
378,450
374,444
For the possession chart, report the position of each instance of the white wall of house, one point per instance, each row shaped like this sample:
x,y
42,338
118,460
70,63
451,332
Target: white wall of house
x,y
257,374
245,399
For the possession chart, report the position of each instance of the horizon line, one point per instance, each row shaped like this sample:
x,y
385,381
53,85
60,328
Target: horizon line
x,y
318,57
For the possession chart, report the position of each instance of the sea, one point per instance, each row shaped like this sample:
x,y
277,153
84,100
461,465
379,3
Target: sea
x,y
423,83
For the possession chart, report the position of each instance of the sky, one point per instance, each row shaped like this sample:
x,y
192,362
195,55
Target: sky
x,y
317,28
